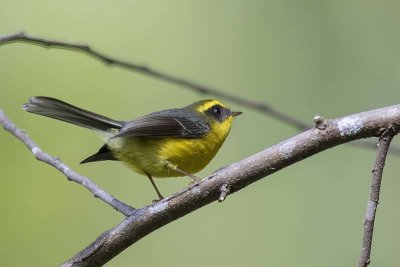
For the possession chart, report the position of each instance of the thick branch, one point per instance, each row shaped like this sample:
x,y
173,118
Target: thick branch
x,y
62,167
383,147
327,134
199,88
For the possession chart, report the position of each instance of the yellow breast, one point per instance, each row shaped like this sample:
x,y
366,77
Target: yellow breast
x,y
152,155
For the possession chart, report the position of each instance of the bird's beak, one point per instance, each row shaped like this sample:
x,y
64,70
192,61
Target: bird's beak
x,y
236,113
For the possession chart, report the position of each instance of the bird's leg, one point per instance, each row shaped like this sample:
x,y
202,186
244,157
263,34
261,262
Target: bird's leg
x,y
154,185
194,177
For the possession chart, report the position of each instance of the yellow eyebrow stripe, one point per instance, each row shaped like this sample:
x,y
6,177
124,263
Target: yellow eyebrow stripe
x,y
208,104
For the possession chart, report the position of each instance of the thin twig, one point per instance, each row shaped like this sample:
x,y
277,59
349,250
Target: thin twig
x,y
264,108
238,175
202,89
383,147
71,175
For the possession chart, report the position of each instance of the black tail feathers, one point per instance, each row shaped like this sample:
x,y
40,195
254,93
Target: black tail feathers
x,y
57,109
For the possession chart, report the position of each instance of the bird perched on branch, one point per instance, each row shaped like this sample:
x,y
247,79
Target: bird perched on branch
x,y
167,143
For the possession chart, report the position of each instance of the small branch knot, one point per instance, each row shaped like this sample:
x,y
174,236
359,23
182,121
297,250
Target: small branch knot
x,y
224,192
21,34
320,122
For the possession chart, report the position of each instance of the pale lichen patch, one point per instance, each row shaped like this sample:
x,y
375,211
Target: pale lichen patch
x,y
287,148
350,125
195,190
370,210
35,150
159,207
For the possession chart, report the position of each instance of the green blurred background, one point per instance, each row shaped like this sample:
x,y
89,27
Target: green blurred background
x,y
303,57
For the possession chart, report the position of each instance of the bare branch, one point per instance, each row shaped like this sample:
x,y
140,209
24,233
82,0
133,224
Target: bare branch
x,y
199,88
383,147
62,167
237,175
202,89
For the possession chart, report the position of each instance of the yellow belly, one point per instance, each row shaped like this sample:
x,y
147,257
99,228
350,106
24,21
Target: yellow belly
x,y
153,155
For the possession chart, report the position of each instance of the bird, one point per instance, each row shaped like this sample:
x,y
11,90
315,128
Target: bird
x,y
168,143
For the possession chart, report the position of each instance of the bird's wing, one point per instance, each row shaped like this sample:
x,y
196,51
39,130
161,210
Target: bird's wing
x,y
177,123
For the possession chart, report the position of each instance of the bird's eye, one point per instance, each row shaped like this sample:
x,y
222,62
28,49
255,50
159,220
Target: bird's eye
x,y
216,110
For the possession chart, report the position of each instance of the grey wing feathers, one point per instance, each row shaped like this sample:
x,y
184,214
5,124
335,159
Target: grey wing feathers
x,y
60,110
168,123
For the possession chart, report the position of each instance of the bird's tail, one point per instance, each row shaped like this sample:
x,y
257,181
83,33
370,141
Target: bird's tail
x,y
54,108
